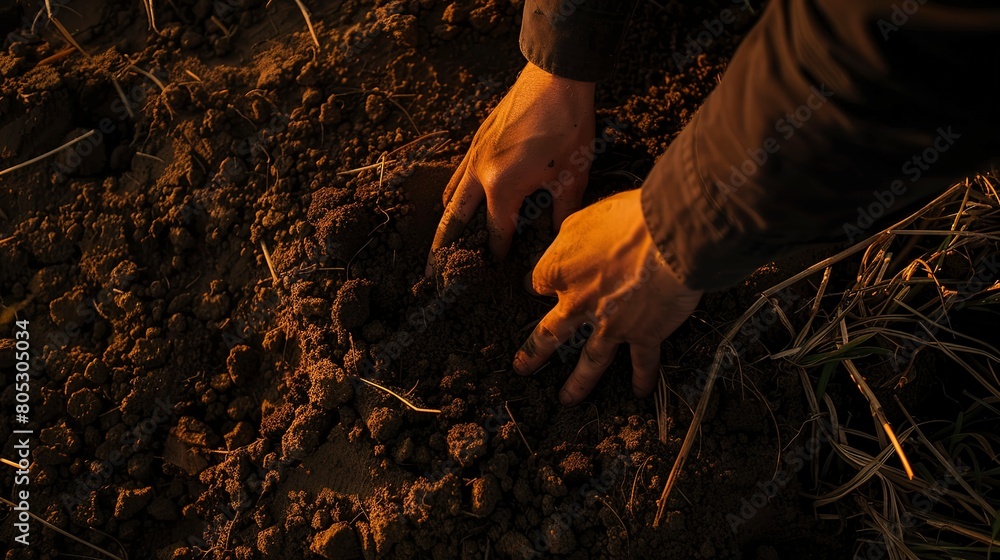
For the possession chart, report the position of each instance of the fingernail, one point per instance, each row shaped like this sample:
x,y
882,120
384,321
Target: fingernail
x,y
565,398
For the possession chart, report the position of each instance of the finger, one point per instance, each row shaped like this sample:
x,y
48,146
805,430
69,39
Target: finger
x,y
456,216
545,277
555,328
567,202
455,180
645,369
501,220
594,360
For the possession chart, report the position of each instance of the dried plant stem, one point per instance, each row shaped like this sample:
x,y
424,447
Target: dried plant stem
x,y
65,533
305,14
401,399
10,463
49,153
878,412
155,80
511,414
270,263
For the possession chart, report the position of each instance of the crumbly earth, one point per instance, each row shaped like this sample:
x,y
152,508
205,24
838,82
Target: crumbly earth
x,y
209,275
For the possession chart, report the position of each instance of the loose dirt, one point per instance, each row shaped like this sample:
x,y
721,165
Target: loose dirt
x,y
193,401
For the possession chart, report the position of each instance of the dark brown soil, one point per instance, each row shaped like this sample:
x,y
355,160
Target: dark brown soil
x,y
189,406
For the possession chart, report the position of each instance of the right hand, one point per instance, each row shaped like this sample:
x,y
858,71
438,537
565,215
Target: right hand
x,y
539,137
606,271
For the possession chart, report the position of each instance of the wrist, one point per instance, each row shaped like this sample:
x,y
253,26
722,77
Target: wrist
x,y
548,80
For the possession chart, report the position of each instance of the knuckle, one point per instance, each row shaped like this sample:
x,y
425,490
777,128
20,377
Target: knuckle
x,y
594,356
543,332
538,284
491,175
576,386
572,219
530,346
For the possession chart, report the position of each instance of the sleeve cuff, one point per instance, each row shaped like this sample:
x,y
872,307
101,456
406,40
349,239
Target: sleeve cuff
x,y
574,40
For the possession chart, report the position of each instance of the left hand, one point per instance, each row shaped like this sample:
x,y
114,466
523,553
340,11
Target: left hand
x,y
606,270
536,138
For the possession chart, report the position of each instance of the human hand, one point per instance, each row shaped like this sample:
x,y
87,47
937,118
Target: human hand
x,y
537,137
606,270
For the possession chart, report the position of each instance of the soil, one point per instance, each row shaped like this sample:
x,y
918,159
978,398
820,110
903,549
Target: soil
x,y
209,278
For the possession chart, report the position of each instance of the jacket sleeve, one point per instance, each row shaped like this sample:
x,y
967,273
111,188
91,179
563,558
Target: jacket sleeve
x,y
575,39
832,116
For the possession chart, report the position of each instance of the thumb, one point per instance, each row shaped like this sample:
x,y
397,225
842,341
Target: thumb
x,y
457,214
544,276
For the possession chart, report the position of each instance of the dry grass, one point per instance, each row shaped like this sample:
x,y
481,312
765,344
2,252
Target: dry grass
x,y
662,399
930,490
909,283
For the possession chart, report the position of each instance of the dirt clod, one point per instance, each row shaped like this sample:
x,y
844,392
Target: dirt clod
x,y
336,543
558,535
329,385
486,495
193,432
351,307
242,363
303,436
85,406
384,423
131,501
576,468
466,443
516,545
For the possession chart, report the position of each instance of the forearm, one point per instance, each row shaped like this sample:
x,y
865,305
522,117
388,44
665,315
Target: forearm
x,y
821,110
